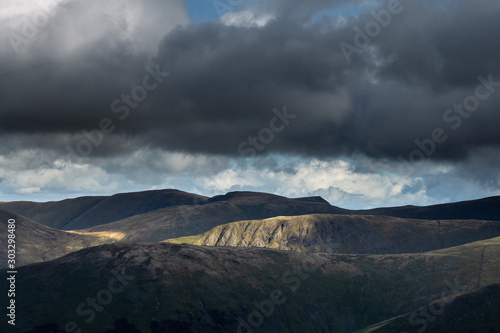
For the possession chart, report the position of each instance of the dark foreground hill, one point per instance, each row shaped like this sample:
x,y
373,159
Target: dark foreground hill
x,y
85,212
348,234
184,288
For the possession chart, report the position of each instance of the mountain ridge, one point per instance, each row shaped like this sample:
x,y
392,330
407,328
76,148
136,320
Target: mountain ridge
x,y
480,209
85,212
88,212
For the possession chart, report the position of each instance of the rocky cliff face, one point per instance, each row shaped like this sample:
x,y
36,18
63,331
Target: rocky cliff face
x,y
346,234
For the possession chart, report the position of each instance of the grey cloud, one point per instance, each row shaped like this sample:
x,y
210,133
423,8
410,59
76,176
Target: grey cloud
x,y
225,81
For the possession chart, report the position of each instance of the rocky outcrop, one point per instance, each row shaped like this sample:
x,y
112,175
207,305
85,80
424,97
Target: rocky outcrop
x,y
347,234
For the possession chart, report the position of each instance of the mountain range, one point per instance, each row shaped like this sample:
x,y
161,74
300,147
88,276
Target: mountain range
x,y
171,261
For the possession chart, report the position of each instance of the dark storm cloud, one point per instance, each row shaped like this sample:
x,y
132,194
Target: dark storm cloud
x,y
225,81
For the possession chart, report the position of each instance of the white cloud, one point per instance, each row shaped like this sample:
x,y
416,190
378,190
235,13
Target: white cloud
x,y
245,18
68,27
28,190
30,172
336,181
40,175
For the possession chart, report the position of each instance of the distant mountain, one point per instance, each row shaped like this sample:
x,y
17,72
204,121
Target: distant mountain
x,y
477,311
36,242
87,212
481,209
186,220
346,234
185,288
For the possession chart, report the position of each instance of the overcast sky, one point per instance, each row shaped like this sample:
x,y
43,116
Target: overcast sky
x,y
365,103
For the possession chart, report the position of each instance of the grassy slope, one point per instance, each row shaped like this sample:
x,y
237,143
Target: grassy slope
x,y
194,288
346,234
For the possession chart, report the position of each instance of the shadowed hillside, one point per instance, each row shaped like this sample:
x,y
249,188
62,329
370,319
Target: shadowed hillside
x,y
185,288
54,214
346,234
34,241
